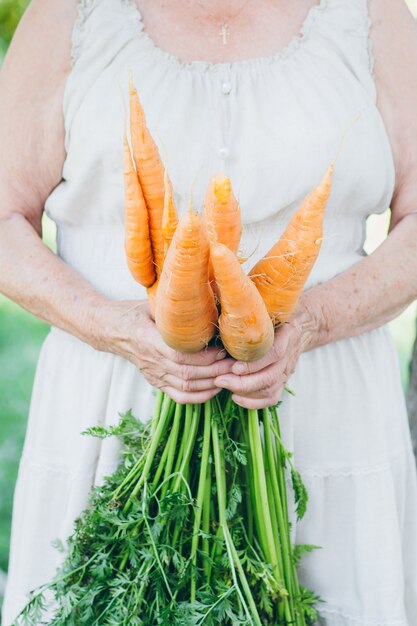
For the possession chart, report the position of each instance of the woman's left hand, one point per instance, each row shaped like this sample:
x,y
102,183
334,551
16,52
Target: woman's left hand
x,y
259,384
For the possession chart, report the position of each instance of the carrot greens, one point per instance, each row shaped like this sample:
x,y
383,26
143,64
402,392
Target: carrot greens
x,y
191,530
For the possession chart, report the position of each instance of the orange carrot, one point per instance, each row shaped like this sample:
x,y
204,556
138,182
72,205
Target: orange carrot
x,y
222,211
150,172
169,225
186,313
281,275
245,327
137,241
151,293
170,215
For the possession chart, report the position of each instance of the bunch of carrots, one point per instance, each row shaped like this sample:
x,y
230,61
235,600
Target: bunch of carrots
x,y
193,528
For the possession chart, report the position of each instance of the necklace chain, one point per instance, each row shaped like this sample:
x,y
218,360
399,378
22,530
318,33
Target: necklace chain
x,y
225,28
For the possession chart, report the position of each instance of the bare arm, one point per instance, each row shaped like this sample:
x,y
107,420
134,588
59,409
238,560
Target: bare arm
x,y
32,153
31,160
380,286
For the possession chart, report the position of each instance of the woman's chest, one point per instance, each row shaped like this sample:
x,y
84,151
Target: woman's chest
x,y
272,126
223,30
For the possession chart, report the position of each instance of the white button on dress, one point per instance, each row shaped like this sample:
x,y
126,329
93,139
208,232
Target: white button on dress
x,y
224,152
226,87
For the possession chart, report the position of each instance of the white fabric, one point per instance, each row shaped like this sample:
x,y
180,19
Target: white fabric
x,y
273,124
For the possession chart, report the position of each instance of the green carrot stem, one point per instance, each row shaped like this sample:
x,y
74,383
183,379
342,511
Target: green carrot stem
x,y
171,447
206,524
187,447
160,398
259,533
221,495
161,464
188,441
261,500
280,459
286,605
152,541
197,408
248,474
228,404
264,514
136,470
155,441
274,518
200,496
223,472
277,500
233,556
280,474
189,411
183,438
144,579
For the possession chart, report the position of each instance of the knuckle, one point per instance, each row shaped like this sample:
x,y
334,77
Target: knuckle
x,y
290,369
270,379
206,356
276,351
245,368
168,391
186,372
178,357
283,379
222,367
243,385
218,369
186,386
164,377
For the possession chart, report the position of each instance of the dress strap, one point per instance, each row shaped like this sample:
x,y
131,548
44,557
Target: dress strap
x,y
345,25
84,9
90,11
101,30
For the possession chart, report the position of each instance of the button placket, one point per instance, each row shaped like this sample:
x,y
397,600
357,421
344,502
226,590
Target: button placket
x,y
225,88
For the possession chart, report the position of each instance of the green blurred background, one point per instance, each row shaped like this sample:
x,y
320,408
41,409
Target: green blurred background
x,y
10,14
21,336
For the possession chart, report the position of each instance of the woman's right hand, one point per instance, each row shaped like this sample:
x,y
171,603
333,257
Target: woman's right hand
x,y
186,378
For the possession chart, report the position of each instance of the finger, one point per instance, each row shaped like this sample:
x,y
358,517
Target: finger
x,y
276,353
198,397
189,386
243,368
261,394
242,385
256,403
193,372
205,357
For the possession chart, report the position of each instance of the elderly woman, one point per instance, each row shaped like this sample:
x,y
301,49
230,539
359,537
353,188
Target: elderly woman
x,y
264,91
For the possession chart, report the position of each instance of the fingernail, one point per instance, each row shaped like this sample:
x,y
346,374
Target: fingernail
x,y
221,381
238,368
221,355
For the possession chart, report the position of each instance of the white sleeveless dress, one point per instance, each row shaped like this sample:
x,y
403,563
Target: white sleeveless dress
x,y
273,125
